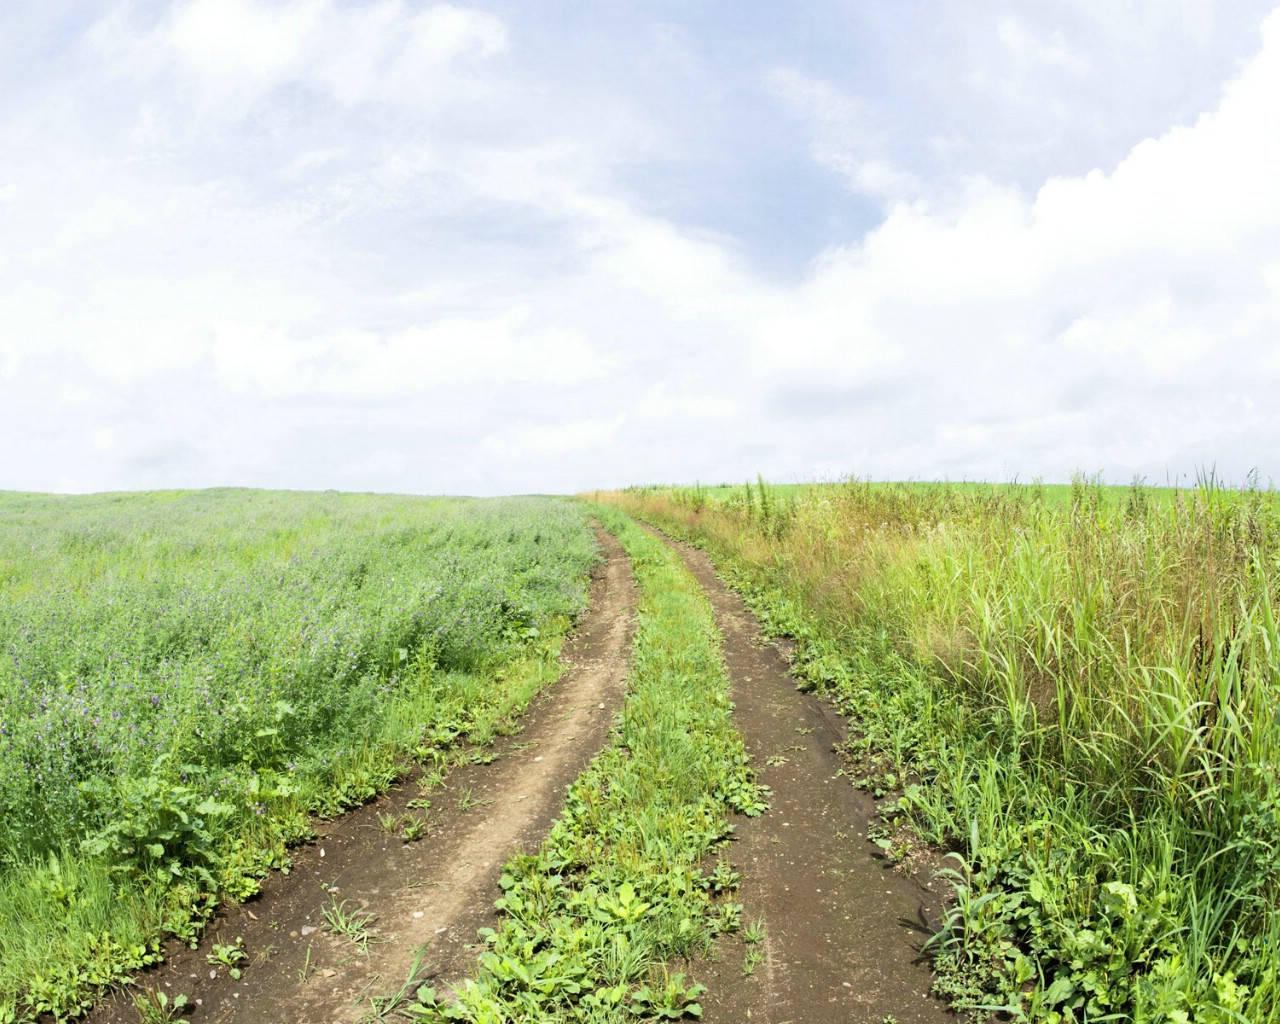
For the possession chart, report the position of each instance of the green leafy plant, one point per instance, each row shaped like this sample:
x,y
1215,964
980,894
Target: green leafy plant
x,y
724,878
412,828
155,1006
230,955
673,999
158,828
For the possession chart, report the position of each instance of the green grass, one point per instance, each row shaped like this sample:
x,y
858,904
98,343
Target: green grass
x,y
189,677
599,924
697,495
1078,698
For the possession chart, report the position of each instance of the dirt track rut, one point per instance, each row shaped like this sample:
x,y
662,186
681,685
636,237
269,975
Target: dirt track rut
x,y
843,930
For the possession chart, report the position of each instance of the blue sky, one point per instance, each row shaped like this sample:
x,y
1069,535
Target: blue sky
x,y
507,247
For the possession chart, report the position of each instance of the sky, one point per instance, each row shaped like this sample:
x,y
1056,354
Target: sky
x,y
510,247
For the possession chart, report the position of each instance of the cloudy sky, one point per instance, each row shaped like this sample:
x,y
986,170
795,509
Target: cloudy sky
x,y
509,246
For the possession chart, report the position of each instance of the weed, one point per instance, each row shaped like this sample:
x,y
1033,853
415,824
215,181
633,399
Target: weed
x,y
728,916
466,801
353,923
157,1007
412,828
671,999
431,780
724,878
413,999
307,968
230,955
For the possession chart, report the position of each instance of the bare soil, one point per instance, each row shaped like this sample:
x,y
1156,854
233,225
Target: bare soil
x,y
433,893
843,929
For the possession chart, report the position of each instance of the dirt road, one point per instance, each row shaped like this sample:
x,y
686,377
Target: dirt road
x,y
842,929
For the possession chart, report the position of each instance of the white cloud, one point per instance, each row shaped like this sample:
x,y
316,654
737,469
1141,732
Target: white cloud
x,y
1167,340
845,138
1026,47
1154,275
275,242
662,404
412,360
537,441
103,439
71,394
379,466
237,51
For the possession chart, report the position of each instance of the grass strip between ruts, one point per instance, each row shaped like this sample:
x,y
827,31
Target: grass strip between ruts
x,y
625,883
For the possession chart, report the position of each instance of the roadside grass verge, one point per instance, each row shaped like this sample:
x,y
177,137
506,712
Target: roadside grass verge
x,y
600,923
1080,701
190,678
696,496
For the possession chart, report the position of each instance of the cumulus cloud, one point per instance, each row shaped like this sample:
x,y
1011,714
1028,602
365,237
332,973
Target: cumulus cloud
x,y
1157,273
237,51
1026,47
407,246
845,136
415,360
538,441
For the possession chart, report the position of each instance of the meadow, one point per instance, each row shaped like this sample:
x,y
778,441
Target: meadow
x,y
1067,698
1072,693
188,678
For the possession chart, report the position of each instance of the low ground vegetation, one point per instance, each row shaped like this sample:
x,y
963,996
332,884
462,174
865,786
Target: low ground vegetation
x,y
600,923
189,677
1075,692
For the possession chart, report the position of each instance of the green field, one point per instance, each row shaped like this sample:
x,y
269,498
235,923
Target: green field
x,y
1063,495
188,677
1069,697
1076,692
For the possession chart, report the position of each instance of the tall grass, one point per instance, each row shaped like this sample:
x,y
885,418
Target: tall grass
x,y
1085,694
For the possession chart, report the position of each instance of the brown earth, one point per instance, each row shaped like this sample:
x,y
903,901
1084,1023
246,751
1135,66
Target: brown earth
x,y
431,894
843,930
